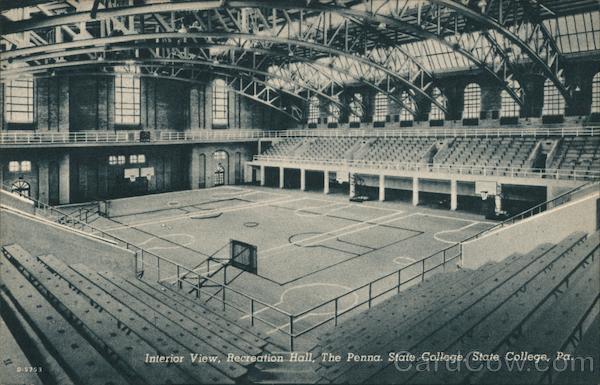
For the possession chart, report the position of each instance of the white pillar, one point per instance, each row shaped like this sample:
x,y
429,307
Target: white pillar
x,y
195,169
352,183
64,178
453,195
281,175
302,179
262,175
326,182
415,192
382,187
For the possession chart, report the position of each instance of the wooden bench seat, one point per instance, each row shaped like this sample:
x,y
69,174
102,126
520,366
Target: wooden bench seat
x,y
176,296
411,332
13,359
151,339
490,328
73,351
417,324
231,342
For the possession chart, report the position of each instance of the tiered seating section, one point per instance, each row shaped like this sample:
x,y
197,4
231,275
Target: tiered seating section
x,y
494,152
578,153
102,326
572,153
399,150
533,302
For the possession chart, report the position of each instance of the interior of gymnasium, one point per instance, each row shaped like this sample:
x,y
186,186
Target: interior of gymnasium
x,y
303,191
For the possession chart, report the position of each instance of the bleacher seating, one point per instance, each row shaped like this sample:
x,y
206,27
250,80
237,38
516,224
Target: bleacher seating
x,y
399,150
118,321
473,310
577,153
495,152
502,153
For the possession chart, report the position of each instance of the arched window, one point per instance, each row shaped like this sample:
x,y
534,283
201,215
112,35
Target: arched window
x,y
221,159
472,101
596,93
127,94
219,102
406,114
21,187
381,107
436,112
356,109
333,113
554,102
509,107
313,110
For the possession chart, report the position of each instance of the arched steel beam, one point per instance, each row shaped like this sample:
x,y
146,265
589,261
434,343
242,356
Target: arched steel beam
x,y
24,52
492,23
280,108
107,13
269,52
45,67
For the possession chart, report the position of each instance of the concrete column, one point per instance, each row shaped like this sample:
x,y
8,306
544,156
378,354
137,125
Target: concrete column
x,y
262,175
453,194
194,168
326,182
64,180
302,179
281,176
43,181
381,188
352,183
415,191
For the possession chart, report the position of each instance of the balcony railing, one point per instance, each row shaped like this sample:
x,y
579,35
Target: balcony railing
x,y
425,168
116,137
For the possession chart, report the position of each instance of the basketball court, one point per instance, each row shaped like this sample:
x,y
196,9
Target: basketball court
x,y
310,247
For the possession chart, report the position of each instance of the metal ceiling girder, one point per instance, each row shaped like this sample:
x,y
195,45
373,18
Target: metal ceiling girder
x,y
101,42
107,13
404,26
523,45
194,61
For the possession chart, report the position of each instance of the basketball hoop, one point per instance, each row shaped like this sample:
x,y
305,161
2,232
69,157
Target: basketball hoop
x,y
484,195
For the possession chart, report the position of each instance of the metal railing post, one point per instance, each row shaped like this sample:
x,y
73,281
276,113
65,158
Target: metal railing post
x,y
179,284
291,333
335,313
370,292
158,268
399,279
423,268
252,311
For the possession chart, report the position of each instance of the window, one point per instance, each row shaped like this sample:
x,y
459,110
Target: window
x,y
313,110
219,103
381,108
472,102
334,113
596,93
140,158
127,95
21,187
220,155
356,109
406,114
16,166
13,166
509,107
554,102
114,160
436,112
25,166
18,102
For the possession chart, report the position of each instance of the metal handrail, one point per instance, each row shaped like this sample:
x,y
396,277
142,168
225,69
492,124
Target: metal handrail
x,y
139,252
552,203
40,137
430,168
